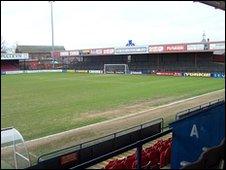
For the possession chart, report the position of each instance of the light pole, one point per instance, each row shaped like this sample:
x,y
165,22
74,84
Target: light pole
x,y
51,4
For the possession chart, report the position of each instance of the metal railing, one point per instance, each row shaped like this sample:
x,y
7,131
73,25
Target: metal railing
x,y
193,110
137,145
98,140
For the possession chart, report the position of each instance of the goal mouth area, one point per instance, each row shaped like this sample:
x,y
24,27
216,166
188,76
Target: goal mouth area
x,y
116,69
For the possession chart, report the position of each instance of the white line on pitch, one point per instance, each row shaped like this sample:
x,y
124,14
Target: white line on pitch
x,y
126,116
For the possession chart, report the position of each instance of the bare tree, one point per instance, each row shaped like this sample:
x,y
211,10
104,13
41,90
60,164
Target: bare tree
x,y
3,45
7,48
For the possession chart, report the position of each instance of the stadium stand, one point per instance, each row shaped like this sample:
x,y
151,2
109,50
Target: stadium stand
x,y
39,56
153,157
205,61
9,65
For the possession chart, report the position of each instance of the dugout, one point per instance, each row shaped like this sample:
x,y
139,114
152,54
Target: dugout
x,y
195,130
14,153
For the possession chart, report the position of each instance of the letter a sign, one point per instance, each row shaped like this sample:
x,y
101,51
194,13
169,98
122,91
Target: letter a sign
x,y
194,131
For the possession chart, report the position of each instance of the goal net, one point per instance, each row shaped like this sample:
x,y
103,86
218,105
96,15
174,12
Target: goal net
x,y
116,69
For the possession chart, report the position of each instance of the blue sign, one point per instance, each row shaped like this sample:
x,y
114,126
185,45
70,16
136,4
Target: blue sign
x,y
130,43
217,75
191,134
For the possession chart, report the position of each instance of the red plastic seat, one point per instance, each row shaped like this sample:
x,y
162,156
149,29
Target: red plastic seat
x,y
118,165
110,164
162,159
167,155
147,165
129,161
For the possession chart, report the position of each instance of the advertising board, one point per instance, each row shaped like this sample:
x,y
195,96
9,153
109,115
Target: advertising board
x,y
177,47
96,51
159,48
70,71
195,47
41,71
64,53
197,74
85,52
55,54
14,72
217,46
131,50
74,53
135,72
168,73
14,56
108,51
96,71
81,71
217,75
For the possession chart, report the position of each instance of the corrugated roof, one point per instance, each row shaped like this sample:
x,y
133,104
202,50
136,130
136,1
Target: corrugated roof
x,y
216,4
37,48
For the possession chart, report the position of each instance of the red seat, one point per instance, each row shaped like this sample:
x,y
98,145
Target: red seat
x,y
147,165
162,159
129,161
167,155
110,164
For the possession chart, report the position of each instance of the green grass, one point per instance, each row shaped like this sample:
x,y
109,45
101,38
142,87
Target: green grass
x,y
46,103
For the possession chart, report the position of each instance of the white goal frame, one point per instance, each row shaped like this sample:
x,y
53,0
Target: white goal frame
x,y
126,67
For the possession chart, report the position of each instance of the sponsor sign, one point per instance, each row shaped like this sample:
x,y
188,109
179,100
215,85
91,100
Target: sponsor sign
x,y
3,72
158,48
180,47
119,72
31,71
217,46
217,75
81,71
168,74
64,53
55,54
131,50
110,72
41,71
14,72
195,47
96,71
96,51
71,71
73,53
85,52
108,51
197,74
135,72
14,56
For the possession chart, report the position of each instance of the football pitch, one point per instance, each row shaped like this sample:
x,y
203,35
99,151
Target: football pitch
x,y
42,104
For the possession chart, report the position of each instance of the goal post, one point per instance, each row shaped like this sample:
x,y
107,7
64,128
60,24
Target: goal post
x,y
116,68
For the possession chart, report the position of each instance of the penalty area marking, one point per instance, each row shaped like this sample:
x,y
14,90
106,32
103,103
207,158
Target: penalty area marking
x,y
126,116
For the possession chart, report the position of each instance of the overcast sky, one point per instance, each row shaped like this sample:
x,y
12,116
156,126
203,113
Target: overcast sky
x,y
86,24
